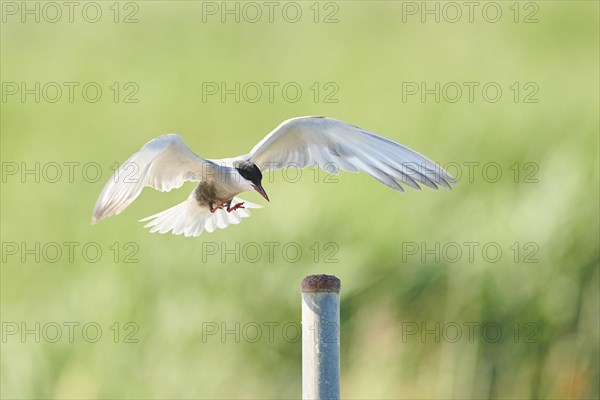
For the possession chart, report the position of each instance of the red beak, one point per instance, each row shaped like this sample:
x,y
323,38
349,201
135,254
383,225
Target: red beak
x,y
260,190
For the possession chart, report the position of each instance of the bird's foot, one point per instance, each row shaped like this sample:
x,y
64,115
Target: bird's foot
x,y
235,207
218,206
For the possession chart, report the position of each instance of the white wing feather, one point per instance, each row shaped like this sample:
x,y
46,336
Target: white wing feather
x,y
163,163
333,145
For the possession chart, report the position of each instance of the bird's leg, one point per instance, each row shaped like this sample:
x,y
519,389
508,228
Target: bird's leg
x,y
235,207
219,206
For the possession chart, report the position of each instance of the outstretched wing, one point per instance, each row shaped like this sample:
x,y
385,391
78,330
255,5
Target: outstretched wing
x,y
163,163
334,145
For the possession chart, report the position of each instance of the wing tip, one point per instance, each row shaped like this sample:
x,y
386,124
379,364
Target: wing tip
x,y
97,216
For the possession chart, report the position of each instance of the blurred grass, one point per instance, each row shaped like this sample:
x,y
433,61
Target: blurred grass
x,y
170,293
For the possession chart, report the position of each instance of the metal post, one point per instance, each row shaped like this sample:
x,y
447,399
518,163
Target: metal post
x,y
321,337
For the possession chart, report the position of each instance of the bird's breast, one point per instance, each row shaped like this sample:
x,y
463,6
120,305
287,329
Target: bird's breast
x,y
222,188
206,194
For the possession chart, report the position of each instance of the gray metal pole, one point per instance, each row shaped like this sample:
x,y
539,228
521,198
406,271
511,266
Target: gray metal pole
x,y
321,337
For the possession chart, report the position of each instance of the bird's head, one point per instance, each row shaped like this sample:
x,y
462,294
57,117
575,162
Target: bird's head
x,y
251,173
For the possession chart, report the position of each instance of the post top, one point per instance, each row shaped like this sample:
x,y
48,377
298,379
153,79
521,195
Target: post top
x,y
321,284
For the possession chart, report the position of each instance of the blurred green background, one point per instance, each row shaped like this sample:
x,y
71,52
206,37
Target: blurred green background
x,y
416,322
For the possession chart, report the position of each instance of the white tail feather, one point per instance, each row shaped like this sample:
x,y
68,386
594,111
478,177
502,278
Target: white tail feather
x,y
191,219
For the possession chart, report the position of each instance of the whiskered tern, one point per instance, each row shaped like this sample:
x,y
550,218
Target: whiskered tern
x,y
166,162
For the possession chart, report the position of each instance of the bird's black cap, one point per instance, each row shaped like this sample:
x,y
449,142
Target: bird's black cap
x,y
249,171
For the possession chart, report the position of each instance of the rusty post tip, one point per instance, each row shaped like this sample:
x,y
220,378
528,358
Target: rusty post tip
x,y
321,283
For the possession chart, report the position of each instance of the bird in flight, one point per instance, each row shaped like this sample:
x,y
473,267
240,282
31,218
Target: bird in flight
x,y
166,162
